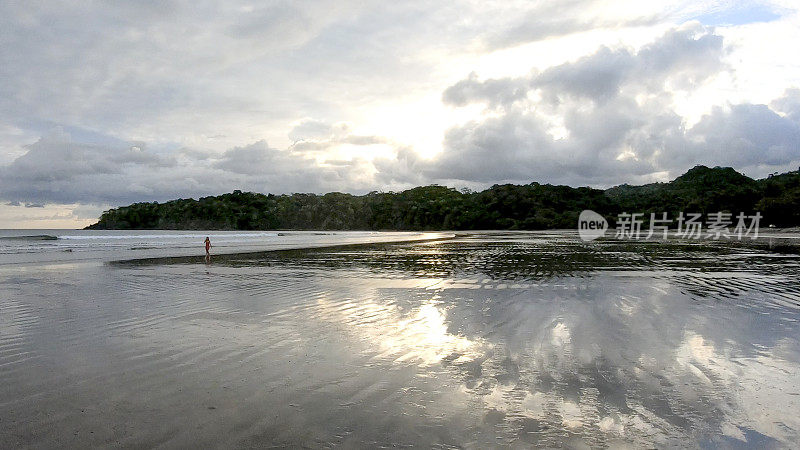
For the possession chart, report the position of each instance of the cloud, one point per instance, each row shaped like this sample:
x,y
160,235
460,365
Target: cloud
x,y
57,169
355,139
171,71
314,129
744,135
110,104
259,159
492,92
788,104
556,19
602,119
528,22
405,170
611,116
312,135
684,57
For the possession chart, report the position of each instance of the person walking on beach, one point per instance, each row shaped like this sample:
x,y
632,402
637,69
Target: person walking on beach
x,y
208,249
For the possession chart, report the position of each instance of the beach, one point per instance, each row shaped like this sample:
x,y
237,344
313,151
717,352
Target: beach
x,y
450,340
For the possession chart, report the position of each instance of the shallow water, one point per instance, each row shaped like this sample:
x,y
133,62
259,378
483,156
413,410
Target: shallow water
x,y
54,246
487,339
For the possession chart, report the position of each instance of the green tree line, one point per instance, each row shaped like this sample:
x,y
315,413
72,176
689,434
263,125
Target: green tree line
x,y
532,206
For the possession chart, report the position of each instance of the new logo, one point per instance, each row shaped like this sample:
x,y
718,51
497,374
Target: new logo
x,y
591,225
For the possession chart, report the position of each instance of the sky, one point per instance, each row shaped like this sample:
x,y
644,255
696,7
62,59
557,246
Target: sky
x,y
103,104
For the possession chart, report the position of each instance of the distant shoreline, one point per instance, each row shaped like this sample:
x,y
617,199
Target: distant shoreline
x,y
532,206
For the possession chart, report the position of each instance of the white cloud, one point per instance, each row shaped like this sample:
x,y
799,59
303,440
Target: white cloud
x,y
617,107
313,129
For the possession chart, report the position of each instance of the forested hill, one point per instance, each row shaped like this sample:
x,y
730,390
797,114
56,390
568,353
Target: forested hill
x,y
508,206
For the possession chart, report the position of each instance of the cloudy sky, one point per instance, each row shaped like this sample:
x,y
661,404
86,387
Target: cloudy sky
x,y
107,103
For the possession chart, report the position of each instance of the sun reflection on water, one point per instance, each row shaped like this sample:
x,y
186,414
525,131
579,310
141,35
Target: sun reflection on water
x,y
419,335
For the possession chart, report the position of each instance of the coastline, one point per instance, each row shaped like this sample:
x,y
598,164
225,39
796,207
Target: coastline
x,y
107,246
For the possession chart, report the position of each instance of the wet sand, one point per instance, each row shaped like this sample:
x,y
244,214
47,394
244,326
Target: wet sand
x,y
485,340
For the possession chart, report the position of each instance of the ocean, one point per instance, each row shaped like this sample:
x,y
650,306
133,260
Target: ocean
x,y
434,340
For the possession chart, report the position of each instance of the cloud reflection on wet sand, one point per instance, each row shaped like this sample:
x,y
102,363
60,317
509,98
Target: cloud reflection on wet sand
x,y
514,339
